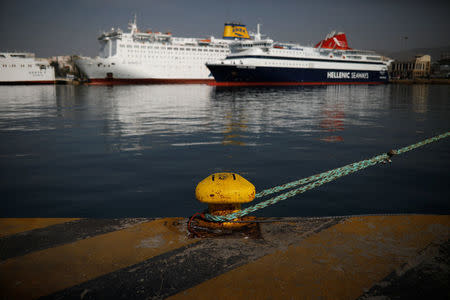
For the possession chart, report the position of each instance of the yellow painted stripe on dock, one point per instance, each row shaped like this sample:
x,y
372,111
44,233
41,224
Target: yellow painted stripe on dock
x,y
337,263
44,272
10,226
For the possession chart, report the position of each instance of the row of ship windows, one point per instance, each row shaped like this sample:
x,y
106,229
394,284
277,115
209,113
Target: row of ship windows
x,y
274,63
14,55
375,58
129,43
174,48
166,57
290,53
152,53
278,64
21,66
200,66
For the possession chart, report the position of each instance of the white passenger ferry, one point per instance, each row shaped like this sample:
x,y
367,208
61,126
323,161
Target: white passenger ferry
x,y
155,57
331,61
24,68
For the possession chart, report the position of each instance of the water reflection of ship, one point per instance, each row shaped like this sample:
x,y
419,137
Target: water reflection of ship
x,y
420,97
201,115
332,122
416,95
233,131
332,114
24,103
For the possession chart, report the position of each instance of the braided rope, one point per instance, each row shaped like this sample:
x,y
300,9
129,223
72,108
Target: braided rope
x,y
318,180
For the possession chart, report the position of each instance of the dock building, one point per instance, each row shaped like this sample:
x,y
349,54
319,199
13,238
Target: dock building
x,y
419,67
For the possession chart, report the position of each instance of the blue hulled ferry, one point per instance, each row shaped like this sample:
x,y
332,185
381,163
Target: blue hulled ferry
x,y
331,61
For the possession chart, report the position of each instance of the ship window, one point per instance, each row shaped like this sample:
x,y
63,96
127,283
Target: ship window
x,y
129,46
13,65
1,55
188,49
42,67
175,48
182,49
217,50
193,49
169,48
137,46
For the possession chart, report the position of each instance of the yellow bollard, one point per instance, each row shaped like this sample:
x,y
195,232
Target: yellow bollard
x,y
224,193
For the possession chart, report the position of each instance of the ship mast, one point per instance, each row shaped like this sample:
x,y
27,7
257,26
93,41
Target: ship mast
x,y
132,25
258,32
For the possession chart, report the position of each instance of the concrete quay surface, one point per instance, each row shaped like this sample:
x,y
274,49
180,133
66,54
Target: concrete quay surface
x,y
366,257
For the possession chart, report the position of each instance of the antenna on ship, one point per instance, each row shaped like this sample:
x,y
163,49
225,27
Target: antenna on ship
x,y
132,25
258,32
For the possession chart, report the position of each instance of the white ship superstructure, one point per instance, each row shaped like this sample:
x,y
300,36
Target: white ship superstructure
x,y
24,68
264,62
155,57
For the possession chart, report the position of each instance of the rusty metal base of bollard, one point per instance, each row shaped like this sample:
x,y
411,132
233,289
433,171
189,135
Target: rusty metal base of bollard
x,y
247,227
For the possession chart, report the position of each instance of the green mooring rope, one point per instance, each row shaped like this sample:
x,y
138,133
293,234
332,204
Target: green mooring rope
x,y
319,179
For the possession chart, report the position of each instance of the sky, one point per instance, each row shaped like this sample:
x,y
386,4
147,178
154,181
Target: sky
x,y
61,27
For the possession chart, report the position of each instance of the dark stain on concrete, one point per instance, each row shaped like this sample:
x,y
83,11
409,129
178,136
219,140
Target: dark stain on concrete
x,y
425,277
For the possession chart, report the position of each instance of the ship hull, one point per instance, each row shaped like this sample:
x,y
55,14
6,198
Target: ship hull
x,y
251,75
124,81
115,72
30,82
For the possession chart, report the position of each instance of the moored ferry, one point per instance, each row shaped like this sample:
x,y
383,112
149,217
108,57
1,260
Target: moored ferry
x,y
331,61
155,57
25,68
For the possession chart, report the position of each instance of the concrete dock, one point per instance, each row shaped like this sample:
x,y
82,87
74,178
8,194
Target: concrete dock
x,y
367,257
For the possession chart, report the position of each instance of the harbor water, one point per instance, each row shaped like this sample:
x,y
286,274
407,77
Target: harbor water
x,y
139,151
